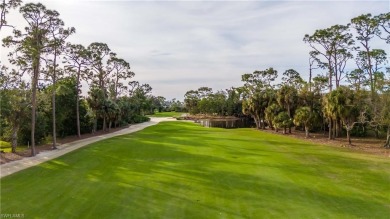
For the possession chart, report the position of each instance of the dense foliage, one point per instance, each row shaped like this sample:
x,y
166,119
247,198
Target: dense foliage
x,y
50,103
340,102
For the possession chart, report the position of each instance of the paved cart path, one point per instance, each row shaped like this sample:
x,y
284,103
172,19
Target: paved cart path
x,y
18,165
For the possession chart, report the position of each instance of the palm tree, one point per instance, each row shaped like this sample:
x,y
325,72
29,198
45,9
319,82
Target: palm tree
x,y
287,98
271,112
304,116
330,112
282,120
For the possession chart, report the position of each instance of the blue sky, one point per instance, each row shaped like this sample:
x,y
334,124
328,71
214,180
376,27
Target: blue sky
x,y
176,46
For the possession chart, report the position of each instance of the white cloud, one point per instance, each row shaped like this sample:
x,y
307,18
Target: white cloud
x,y
177,46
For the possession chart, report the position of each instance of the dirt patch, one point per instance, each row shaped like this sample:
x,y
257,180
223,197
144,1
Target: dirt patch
x,y
366,145
9,157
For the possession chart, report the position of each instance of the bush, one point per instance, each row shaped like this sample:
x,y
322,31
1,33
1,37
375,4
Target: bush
x,y
359,131
42,128
139,119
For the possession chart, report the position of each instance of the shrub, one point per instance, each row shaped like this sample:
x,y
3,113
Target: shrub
x,y
139,119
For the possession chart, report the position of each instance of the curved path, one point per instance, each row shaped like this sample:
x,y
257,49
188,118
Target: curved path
x,y
18,165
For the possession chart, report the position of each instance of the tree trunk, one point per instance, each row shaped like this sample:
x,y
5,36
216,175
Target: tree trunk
x,y
376,131
104,124
310,75
336,71
14,142
324,126
370,73
109,125
116,87
256,122
54,98
284,130
330,129
95,125
387,144
348,136
78,103
307,131
54,110
262,122
34,103
340,128
289,115
330,75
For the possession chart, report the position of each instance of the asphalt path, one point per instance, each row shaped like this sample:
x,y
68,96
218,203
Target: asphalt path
x,y
18,165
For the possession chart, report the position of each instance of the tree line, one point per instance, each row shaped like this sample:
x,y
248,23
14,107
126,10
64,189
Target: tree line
x,y
339,102
41,86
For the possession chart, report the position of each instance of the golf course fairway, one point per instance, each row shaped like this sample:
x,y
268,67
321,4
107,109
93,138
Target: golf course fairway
x,y
183,170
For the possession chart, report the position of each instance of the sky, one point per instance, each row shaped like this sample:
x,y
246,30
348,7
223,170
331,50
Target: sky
x,y
176,46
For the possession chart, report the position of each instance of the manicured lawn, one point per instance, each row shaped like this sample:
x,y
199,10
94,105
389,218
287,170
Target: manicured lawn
x,y
167,114
181,170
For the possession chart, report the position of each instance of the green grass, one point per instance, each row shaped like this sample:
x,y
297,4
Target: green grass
x,y
4,144
181,170
6,147
167,114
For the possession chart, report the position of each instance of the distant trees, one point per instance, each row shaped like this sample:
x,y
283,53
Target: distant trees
x,y
287,97
57,36
141,99
14,102
304,116
58,68
384,108
31,46
271,112
385,117
282,120
337,46
191,100
120,72
337,101
164,105
258,93
366,28
384,26
5,6
77,63
340,104
205,101
340,101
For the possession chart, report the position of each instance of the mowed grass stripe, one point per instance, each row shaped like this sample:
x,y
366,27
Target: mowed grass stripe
x,y
167,114
182,170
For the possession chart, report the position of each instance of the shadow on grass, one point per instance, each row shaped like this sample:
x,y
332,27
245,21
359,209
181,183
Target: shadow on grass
x,y
182,171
